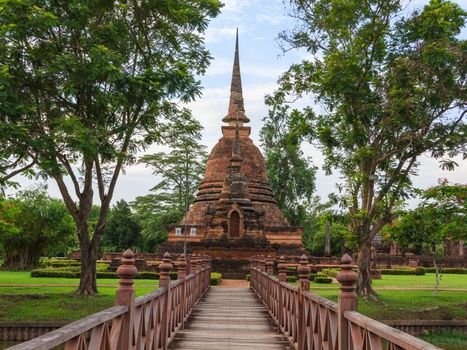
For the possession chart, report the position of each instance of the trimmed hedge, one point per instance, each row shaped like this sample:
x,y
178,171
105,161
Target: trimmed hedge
x,y
320,279
419,271
291,279
330,272
55,273
397,271
216,278
448,270
312,276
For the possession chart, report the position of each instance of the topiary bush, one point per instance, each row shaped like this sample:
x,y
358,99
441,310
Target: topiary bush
x,y
291,279
312,276
419,271
216,278
320,279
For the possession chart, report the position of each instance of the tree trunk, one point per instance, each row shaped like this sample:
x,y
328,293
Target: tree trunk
x,y
437,274
88,248
364,287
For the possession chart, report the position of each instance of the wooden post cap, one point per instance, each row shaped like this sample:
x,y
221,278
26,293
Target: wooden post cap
x,y
269,265
127,270
346,277
165,268
181,267
303,271
281,269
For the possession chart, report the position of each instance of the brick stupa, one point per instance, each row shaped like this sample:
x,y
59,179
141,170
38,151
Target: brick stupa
x,y
235,214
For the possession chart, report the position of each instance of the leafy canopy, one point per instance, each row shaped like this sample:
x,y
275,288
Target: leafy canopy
x,y
389,87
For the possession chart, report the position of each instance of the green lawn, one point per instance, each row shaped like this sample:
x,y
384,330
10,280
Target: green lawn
x,y
425,281
56,302
394,304
24,277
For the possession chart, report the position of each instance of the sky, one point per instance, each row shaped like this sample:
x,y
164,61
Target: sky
x,y
261,61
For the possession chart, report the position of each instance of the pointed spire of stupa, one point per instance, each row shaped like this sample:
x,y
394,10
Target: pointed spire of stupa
x,y
236,106
236,155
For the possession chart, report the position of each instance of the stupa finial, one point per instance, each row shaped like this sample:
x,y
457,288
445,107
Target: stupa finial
x,y
236,105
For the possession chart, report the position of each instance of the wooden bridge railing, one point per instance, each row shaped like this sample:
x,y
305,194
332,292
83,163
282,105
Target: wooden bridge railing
x,y
312,322
147,322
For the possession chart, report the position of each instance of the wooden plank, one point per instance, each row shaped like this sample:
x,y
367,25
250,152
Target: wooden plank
x,y
230,319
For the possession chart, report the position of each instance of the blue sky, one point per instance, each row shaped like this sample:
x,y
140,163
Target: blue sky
x,y
261,61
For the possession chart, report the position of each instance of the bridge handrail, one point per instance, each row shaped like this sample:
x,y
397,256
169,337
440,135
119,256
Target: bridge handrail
x,y
378,331
149,321
313,322
72,330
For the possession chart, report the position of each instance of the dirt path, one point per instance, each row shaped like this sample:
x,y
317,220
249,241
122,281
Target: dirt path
x,y
233,284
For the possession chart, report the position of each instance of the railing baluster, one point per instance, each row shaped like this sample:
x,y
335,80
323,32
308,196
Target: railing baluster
x,y
347,300
126,296
164,282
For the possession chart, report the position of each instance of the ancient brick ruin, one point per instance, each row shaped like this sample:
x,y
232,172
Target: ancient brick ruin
x,y
235,214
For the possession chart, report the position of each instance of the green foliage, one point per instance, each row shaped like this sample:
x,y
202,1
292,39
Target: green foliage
x,y
85,85
419,271
448,270
390,88
442,214
181,170
330,272
290,173
319,279
58,273
216,278
291,279
122,230
248,277
43,226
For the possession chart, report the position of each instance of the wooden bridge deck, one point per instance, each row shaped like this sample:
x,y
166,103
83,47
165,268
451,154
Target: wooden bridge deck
x,y
230,318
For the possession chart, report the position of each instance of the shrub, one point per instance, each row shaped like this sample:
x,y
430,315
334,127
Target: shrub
x,y
320,279
216,278
248,277
54,273
419,271
291,279
447,270
312,276
106,274
397,271
330,272
146,275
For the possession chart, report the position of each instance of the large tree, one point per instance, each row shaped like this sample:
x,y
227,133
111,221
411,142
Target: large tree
x,y
43,227
87,84
122,230
441,215
290,173
390,87
181,170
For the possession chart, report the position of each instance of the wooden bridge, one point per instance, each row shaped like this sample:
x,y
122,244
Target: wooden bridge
x,y
186,314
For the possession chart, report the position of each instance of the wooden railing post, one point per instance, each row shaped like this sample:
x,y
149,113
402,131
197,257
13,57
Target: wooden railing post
x,y
282,275
347,301
303,271
126,296
281,269
181,275
164,281
269,266
262,263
